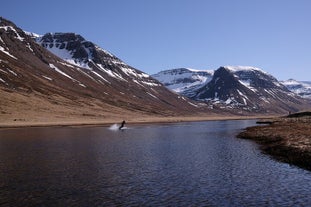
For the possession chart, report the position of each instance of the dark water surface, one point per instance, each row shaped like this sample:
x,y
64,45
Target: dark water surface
x,y
184,164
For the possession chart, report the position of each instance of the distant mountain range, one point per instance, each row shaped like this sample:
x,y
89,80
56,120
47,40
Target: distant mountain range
x,y
63,75
233,87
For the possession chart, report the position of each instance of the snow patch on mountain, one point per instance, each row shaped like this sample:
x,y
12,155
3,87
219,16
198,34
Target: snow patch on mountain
x,y
247,84
150,83
64,54
59,71
12,72
302,88
2,80
98,75
105,51
32,34
132,72
46,77
243,68
10,28
110,72
1,40
181,80
2,49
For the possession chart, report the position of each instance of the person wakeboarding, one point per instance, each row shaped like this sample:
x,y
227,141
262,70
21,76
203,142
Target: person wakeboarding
x,y
122,125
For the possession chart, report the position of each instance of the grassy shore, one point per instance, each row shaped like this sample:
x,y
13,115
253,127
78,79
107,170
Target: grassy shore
x,y
287,139
100,121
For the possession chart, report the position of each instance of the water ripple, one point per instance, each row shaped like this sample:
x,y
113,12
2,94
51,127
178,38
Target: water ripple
x,y
187,164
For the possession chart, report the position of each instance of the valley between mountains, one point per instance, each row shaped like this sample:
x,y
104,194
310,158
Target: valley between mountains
x,y
61,79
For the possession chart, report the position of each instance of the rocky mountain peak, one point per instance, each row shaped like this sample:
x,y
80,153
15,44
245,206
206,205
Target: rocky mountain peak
x,y
239,87
224,86
11,30
69,46
5,22
74,49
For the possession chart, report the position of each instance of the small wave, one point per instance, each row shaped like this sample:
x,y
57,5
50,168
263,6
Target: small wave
x,y
114,127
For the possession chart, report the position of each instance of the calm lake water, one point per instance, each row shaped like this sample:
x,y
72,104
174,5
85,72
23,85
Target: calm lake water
x,y
183,164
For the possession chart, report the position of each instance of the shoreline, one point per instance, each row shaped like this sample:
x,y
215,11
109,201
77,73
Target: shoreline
x,y
109,122
287,140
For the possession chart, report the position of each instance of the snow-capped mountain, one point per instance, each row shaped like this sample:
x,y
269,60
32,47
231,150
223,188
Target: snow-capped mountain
x,y
302,88
63,75
76,73
184,80
75,50
242,87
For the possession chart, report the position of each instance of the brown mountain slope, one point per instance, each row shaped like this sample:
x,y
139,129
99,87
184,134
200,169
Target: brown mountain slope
x,y
37,85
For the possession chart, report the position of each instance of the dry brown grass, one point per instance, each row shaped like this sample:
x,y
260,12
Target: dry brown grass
x,y
22,110
286,139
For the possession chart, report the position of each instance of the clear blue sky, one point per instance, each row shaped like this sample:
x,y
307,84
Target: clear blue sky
x,y
154,35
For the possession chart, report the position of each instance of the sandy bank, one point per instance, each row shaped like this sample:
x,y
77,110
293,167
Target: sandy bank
x,y
286,139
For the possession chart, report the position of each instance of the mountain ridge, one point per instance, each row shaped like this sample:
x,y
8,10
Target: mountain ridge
x,y
62,76
104,87
302,88
236,87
